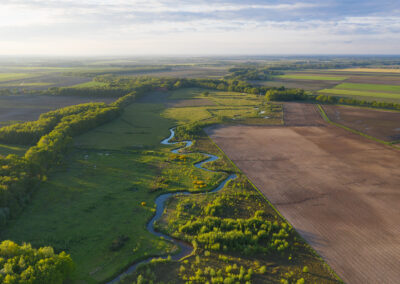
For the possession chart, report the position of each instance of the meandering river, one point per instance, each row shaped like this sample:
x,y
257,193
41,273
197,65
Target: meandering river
x,y
185,248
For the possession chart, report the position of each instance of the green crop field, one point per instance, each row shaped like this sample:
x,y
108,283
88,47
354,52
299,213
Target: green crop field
x,y
369,87
340,92
311,77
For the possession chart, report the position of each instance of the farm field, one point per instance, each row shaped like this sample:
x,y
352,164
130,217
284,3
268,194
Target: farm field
x,y
384,125
369,87
315,77
40,78
363,94
4,77
309,85
350,83
305,115
29,107
340,202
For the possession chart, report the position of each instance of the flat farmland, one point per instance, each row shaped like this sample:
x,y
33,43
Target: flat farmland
x,y
29,107
301,114
353,83
384,125
339,190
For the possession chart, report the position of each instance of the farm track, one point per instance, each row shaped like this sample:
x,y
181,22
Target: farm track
x,y
338,189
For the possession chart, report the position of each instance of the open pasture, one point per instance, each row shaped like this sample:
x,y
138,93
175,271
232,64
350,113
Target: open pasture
x,y
342,195
384,125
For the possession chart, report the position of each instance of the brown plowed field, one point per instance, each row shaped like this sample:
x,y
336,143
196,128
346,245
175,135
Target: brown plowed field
x,y
298,114
384,125
339,190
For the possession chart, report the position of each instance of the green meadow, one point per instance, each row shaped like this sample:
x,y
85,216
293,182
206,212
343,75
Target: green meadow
x,y
369,87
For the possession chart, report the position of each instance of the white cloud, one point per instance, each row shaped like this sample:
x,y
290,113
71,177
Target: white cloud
x,y
166,26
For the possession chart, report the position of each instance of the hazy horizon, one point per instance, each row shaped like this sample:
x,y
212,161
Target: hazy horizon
x,y
198,28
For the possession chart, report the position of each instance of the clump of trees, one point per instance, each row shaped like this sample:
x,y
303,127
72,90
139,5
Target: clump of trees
x,y
283,94
252,73
24,264
245,235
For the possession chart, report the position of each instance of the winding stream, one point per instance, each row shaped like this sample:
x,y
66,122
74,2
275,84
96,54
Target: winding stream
x,y
185,248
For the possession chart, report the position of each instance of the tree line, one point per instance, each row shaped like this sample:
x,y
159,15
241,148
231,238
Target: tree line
x,y
117,86
252,73
24,264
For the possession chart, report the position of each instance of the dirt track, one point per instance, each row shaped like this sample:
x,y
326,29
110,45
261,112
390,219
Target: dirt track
x,y
339,190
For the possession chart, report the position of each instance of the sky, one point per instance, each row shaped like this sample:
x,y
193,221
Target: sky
x,y
179,28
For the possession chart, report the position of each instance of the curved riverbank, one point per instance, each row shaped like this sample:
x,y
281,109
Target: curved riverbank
x,y
185,249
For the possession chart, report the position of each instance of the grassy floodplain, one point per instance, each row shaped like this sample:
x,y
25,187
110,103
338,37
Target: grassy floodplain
x,y
96,198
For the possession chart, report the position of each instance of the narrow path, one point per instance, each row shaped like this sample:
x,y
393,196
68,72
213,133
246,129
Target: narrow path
x,y
185,249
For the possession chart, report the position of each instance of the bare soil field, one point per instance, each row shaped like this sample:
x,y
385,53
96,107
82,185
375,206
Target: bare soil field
x,y
29,107
308,85
301,114
339,190
384,125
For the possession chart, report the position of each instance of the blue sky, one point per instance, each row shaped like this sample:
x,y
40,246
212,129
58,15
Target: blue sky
x,y
166,27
